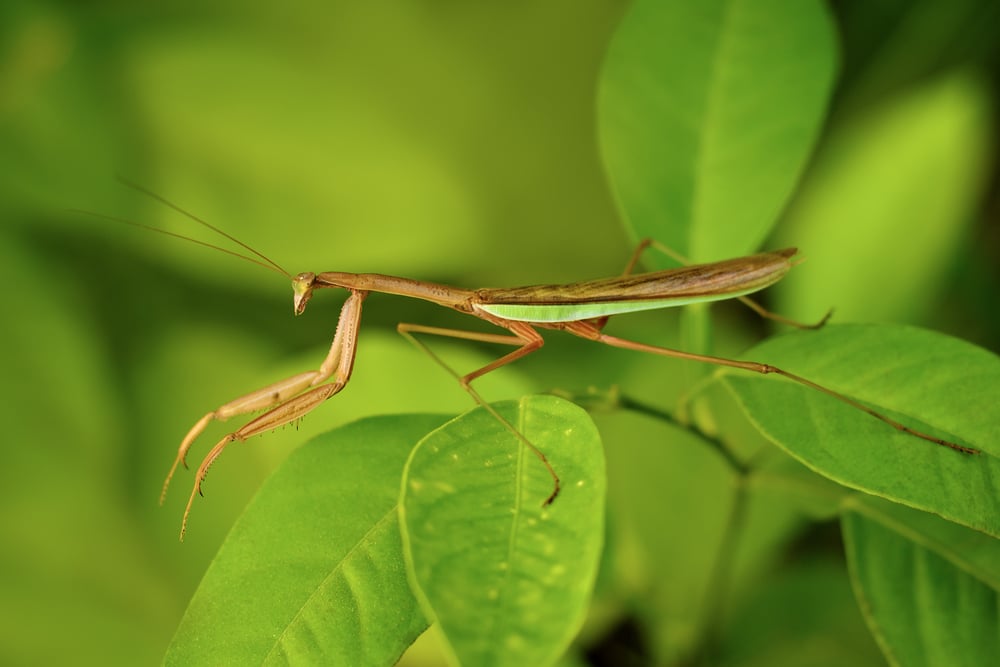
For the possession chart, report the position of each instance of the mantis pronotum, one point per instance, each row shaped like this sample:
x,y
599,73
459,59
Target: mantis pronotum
x,y
581,309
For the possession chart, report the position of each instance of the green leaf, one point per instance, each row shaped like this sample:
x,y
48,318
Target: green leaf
x,y
928,587
708,111
507,580
928,381
313,570
917,163
800,614
970,550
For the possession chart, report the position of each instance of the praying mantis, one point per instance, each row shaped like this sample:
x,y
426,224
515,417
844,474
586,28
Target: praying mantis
x,y
581,309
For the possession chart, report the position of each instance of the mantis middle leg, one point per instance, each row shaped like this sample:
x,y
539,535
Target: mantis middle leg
x,y
522,335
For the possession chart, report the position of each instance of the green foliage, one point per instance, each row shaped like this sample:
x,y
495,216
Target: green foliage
x,y
928,587
290,584
740,520
908,169
693,97
507,580
941,385
318,564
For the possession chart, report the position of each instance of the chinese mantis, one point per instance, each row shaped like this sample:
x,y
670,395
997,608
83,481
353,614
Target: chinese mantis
x,y
581,309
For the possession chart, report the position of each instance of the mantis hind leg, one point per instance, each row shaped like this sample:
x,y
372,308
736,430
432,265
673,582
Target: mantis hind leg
x,y
586,330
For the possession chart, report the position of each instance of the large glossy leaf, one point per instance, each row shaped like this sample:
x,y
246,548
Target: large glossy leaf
x,y
928,588
708,111
927,380
507,580
313,571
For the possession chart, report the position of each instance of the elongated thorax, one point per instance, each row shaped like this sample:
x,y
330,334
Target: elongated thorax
x,y
443,295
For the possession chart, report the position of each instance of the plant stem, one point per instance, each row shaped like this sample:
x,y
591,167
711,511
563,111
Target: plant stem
x,y
739,467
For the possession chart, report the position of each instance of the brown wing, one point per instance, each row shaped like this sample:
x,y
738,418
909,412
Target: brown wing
x,y
730,276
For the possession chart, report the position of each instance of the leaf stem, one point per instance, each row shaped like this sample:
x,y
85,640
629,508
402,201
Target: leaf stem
x,y
735,464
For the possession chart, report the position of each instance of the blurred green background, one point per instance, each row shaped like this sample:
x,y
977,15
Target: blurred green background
x,y
448,141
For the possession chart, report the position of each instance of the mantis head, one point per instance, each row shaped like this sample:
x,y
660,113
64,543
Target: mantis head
x,y
302,286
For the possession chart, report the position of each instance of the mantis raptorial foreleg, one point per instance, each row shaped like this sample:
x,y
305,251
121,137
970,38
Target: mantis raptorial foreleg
x,y
283,400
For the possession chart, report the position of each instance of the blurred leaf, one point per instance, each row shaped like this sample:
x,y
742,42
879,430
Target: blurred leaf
x,y
927,380
969,550
801,614
671,554
707,114
313,570
323,214
665,567
787,481
55,352
382,138
896,43
79,555
508,580
928,588
677,560
54,104
72,556
888,203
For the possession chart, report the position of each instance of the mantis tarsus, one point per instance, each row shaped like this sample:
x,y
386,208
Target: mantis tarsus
x,y
581,309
